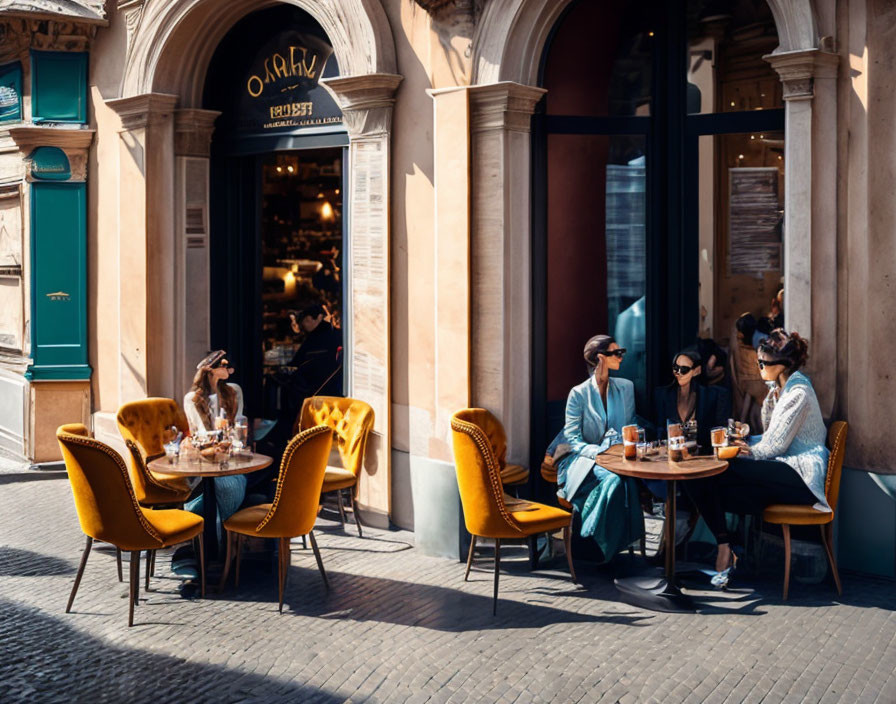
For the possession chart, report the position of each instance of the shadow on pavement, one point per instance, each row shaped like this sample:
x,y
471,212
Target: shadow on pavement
x,y
47,660
34,475
15,562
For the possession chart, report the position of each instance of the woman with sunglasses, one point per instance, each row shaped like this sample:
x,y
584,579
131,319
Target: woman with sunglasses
x,y
786,464
596,411
688,399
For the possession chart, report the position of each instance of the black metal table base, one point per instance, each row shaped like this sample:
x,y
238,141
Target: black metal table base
x,y
654,592
210,515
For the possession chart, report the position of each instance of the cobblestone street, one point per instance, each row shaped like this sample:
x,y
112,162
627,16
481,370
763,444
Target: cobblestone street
x,y
400,627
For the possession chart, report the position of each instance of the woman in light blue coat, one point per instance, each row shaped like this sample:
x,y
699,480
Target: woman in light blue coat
x,y
596,411
787,464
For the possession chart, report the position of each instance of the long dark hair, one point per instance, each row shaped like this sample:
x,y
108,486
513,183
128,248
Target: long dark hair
x,y
786,347
202,389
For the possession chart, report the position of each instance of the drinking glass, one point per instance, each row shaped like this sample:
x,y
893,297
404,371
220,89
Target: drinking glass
x,y
172,452
239,435
629,441
719,438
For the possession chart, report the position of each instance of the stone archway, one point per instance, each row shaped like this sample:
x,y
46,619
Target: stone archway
x,y
164,162
507,50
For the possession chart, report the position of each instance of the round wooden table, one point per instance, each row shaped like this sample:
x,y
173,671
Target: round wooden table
x,y
196,466
663,593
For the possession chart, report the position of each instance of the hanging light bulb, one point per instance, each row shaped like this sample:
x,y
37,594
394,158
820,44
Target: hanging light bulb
x,y
326,211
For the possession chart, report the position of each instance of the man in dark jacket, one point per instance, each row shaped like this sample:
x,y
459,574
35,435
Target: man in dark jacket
x,y
318,360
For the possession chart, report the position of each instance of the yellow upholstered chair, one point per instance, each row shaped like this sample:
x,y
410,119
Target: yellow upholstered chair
x,y
351,421
108,509
787,515
142,424
294,510
488,511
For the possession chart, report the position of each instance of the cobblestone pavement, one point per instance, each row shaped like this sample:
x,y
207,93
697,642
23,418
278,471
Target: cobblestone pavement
x,y
400,627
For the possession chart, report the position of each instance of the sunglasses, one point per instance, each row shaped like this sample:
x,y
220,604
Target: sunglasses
x,y
615,353
763,363
681,369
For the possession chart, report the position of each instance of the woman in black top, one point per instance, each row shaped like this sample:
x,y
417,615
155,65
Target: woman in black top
x,y
686,398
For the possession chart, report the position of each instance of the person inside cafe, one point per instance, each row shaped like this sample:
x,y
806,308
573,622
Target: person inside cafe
x,y
319,357
596,410
786,464
746,381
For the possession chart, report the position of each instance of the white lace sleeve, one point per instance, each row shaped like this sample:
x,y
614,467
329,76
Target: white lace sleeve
x,y
786,420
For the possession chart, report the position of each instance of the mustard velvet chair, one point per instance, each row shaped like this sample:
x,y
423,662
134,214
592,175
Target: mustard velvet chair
x,y
351,421
787,515
488,511
294,509
142,424
108,510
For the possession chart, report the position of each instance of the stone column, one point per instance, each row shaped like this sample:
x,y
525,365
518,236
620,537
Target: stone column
x,y
500,125
147,345
192,142
366,103
810,214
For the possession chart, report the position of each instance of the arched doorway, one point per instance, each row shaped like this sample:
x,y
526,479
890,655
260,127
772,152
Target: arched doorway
x,y
658,186
277,191
164,162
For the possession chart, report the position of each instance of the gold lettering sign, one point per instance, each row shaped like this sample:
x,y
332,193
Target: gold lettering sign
x,y
295,62
59,296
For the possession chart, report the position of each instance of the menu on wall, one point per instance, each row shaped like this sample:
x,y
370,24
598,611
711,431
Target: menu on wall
x,y
369,285
755,221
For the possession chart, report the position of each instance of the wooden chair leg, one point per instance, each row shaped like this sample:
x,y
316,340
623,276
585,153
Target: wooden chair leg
x,y
238,556
827,538
152,571
533,551
135,585
786,529
304,542
351,503
148,568
567,543
320,562
71,597
118,560
283,551
341,507
228,558
470,557
201,567
497,572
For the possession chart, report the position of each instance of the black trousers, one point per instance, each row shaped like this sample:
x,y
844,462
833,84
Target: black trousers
x,y
746,487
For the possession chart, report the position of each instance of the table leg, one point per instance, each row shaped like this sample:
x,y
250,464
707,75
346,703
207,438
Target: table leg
x,y
659,591
210,515
669,528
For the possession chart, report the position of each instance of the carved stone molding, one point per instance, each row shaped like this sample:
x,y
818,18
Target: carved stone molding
x,y
74,142
193,130
503,106
19,34
143,110
799,69
366,101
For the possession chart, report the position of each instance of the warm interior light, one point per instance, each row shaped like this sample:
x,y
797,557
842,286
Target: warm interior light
x,y
337,191
290,168
326,211
279,169
320,194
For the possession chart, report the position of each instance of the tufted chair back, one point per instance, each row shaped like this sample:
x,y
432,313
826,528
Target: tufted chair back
x,y
144,422
141,424
106,505
351,421
479,474
299,484
837,445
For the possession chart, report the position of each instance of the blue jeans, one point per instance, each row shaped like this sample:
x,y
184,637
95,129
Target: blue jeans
x,y
229,493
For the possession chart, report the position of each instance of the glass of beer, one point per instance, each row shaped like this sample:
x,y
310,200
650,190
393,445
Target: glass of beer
x,y
676,448
719,438
674,430
629,442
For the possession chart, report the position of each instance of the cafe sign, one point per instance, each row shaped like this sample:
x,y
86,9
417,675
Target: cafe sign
x,y
281,89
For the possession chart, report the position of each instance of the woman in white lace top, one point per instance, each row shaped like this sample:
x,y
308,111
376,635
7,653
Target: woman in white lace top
x,y
786,464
